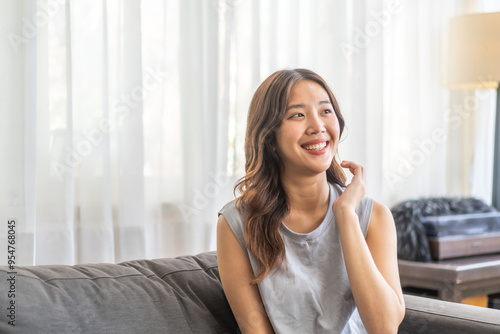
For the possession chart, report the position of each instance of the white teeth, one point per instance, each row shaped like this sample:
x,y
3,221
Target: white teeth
x,y
315,147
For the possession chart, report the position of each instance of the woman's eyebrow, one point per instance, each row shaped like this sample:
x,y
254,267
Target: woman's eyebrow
x,y
295,106
300,105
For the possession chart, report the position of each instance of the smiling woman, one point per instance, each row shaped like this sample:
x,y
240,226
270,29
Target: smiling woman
x,y
299,251
123,122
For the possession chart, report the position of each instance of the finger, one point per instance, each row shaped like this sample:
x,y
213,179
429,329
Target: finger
x,y
353,167
357,170
347,164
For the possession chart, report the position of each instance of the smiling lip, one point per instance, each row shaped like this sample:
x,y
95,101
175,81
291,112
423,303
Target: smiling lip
x,y
315,142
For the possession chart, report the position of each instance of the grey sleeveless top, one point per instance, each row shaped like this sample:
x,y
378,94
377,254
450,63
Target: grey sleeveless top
x,y
311,294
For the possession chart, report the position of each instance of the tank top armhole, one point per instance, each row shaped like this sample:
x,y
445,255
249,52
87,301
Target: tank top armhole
x,y
364,211
235,220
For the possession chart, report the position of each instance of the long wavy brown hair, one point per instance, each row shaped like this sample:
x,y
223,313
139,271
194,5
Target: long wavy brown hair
x,y
262,194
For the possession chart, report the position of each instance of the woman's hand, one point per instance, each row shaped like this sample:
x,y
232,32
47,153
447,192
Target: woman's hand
x,y
354,191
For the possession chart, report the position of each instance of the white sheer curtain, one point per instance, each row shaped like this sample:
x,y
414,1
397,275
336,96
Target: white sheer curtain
x,y
418,139
122,122
385,62
112,129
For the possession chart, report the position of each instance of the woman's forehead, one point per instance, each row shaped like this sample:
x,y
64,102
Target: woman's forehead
x,y
304,89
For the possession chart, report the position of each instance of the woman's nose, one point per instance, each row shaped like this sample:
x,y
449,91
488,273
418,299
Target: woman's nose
x,y
315,125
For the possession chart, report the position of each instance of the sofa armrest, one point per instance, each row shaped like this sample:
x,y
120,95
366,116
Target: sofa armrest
x,y
425,315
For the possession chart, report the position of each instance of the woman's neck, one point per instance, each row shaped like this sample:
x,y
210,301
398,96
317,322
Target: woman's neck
x,y
306,194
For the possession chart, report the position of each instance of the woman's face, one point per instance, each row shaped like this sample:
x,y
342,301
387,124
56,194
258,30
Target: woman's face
x,y
309,133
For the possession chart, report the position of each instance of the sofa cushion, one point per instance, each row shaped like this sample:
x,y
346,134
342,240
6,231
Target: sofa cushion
x,y
181,295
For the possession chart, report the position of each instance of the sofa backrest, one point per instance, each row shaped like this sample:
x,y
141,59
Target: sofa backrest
x,y
181,295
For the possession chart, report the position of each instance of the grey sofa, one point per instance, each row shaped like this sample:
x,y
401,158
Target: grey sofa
x,y
181,295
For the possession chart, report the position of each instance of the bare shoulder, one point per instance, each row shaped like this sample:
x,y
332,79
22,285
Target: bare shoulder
x,y
381,210
381,237
381,217
227,244
234,265
222,225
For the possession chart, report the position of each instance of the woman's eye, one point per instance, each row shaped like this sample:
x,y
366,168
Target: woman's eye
x,y
296,115
327,111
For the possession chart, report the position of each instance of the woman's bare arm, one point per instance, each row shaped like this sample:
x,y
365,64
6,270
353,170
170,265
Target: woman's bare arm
x,y
235,273
372,263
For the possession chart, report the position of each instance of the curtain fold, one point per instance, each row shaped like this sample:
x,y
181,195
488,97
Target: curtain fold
x,y
123,122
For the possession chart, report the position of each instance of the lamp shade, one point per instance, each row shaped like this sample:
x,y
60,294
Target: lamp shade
x,y
474,52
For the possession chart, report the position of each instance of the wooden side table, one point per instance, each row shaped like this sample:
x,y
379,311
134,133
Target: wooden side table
x,y
454,279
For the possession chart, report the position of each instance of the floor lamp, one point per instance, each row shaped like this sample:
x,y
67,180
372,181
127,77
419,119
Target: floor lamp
x,y
474,63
